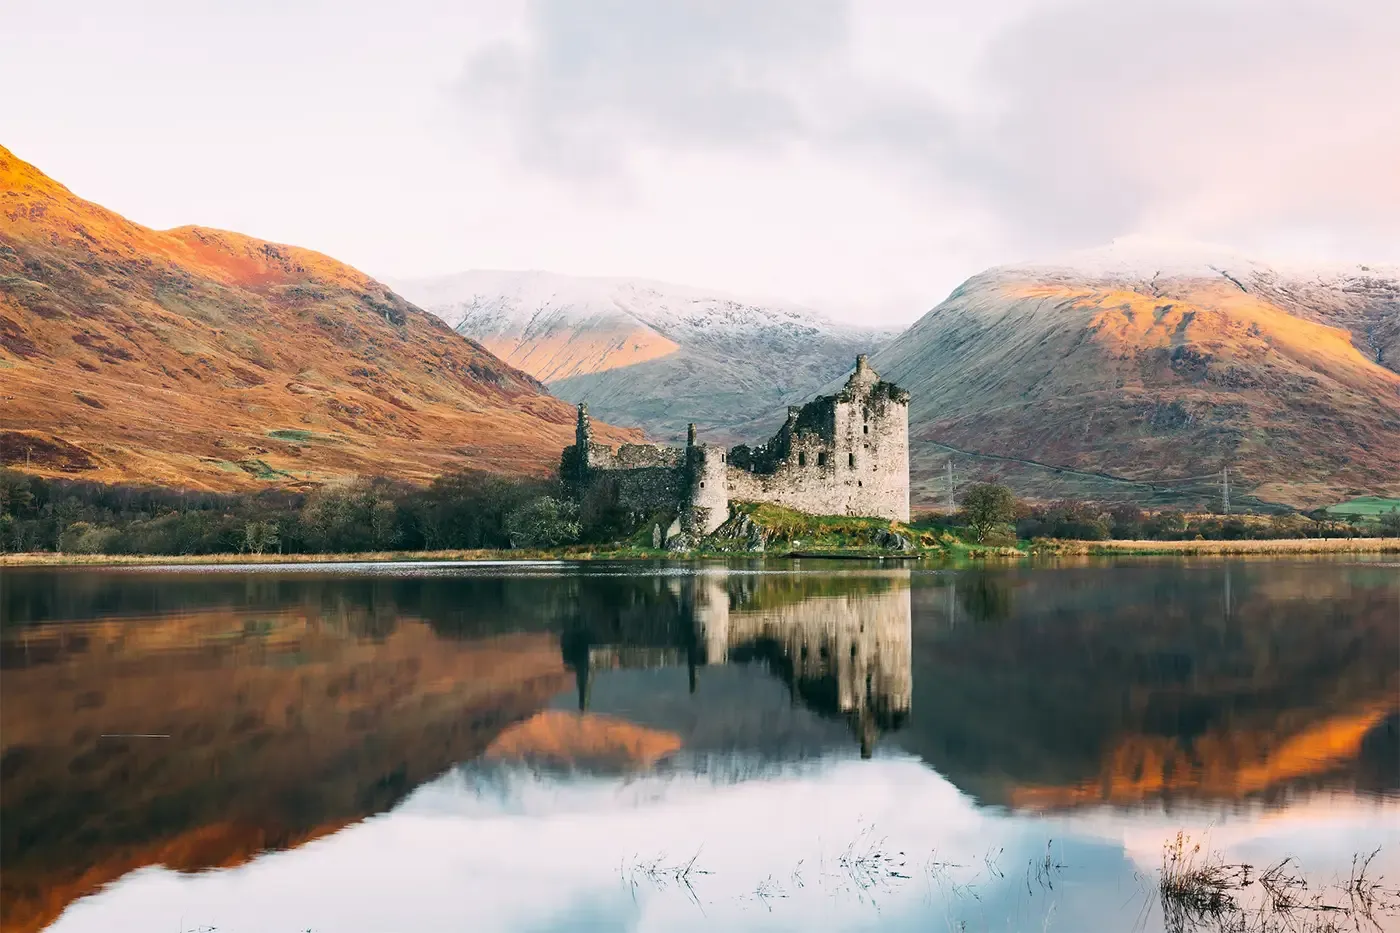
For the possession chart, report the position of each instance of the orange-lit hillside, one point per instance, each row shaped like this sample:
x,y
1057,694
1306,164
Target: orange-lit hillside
x,y
208,359
567,352
1224,766
1131,379
563,738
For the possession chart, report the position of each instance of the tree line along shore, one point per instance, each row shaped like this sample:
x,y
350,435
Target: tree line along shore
x,y
476,515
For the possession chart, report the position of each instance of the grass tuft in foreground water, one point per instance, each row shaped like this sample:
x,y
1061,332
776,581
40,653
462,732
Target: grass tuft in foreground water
x,y
1199,891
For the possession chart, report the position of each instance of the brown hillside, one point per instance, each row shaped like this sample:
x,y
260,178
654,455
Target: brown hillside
x,y
1155,379
202,358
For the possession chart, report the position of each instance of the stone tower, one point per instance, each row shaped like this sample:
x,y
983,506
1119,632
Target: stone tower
x,y
707,485
872,443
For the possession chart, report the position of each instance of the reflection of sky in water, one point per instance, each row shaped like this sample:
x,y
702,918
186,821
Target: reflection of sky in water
x,y
1246,705
508,849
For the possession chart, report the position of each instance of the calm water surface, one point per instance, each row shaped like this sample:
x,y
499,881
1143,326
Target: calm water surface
x,y
544,747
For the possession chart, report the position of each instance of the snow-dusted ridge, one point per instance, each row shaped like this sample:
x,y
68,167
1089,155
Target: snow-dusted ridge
x,y
1142,257
648,353
498,301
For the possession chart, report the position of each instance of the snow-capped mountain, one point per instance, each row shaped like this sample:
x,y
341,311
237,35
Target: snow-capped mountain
x,y
650,353
1363,298
1123,371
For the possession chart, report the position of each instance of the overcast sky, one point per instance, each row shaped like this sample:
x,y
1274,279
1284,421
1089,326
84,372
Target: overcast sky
x,y
865,156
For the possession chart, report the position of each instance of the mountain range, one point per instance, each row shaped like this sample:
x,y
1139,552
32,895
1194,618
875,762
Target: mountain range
x,y
651,354
211,360
207,359
1142,370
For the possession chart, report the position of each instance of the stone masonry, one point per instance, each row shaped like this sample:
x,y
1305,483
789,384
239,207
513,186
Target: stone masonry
x,y
842,454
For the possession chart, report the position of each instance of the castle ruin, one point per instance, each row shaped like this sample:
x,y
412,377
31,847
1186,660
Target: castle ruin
x,y
842,454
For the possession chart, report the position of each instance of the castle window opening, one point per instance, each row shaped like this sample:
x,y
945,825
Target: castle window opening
x,y
821,459
865,428
801,460
702,484
851,460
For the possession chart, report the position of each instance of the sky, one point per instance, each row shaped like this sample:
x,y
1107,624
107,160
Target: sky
x,y
864,157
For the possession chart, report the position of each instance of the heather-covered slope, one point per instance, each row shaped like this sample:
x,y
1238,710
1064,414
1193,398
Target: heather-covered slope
x,y
1155,369
203,358
649,353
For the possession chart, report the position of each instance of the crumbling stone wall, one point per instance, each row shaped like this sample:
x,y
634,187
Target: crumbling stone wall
x,y
635,457
843,454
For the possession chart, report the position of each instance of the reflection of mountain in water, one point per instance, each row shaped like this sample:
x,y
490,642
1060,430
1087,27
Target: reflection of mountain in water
x,y
841,645
297,704
1150,682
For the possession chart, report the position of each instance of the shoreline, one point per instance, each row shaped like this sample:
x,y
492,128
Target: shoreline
x,y
1242,546
1277,546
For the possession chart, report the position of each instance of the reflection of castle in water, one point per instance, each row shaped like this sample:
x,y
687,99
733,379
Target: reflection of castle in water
x,y
840,644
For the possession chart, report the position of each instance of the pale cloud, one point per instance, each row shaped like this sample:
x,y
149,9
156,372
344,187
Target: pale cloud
x,y
587,83
866,156
1231,120
1234,119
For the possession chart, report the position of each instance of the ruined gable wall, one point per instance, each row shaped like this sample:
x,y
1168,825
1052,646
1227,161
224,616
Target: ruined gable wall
x,y
634,456
641,478
644,490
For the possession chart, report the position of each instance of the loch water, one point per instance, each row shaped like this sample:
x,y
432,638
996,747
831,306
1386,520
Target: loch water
x,y
751,745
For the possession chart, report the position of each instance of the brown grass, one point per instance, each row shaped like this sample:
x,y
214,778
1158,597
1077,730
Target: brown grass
x,y
1247,546
47,559
1146,385
198,352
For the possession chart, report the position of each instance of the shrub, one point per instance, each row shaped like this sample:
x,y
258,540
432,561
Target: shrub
x,y
86,538
1003,535
987,505
260,536
544,523
1126,521
354,515
1166,525
1067,518
467,509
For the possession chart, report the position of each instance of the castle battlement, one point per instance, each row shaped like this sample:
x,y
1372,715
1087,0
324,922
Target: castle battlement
x,y
842,454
